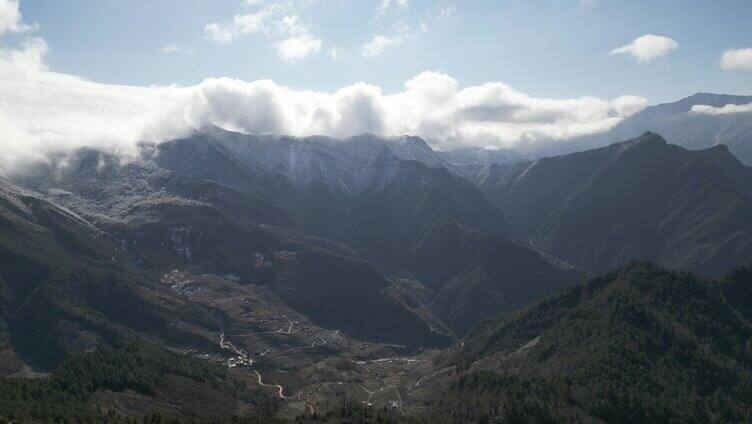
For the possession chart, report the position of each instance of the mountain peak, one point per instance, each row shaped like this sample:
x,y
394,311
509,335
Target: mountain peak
x,y
719,154
647,138
711,99
720,149
703,95
415,148
651,137
411,139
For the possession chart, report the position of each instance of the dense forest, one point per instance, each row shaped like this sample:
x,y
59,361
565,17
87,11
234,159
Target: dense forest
x,y
638,344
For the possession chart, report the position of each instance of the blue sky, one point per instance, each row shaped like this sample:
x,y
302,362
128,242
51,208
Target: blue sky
x,y
545,48
506,74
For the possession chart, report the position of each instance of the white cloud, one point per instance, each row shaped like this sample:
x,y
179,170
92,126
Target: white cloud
x,y
299,42
292,38
724,110
384,5
43,111
378,43
10,18
291,24
737,59
240,26
295,48
648,47
219,33
175,48
335,53
446,9
170,48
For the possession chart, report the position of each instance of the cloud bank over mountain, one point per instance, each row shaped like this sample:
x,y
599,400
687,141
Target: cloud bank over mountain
x,y
729,109
44,111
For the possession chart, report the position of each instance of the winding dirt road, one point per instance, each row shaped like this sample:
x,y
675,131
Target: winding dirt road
x,y
280,389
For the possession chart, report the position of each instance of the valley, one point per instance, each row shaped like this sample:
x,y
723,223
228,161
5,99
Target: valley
x,y
310,368
389,290
383,211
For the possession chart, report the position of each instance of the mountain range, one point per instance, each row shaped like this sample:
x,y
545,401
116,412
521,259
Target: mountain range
x,y
679,123
274,277
638,199
275,210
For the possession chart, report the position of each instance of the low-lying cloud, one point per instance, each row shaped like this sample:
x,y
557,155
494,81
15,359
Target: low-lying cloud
x,y
729,109
44,112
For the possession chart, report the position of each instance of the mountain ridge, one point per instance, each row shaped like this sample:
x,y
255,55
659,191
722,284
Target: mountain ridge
x,y
679,125
301,264
640,199
637,344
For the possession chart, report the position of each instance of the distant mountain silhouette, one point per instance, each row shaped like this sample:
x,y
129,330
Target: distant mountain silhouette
x,y
678,125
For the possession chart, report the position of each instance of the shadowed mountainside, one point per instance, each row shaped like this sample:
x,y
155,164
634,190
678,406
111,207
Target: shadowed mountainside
x,y
638,199
639,344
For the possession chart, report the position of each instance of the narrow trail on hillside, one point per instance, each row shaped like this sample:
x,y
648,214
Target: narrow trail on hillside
x,y
280,389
